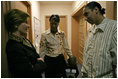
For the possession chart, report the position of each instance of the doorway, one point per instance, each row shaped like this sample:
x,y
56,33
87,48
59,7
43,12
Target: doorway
x,y
79,30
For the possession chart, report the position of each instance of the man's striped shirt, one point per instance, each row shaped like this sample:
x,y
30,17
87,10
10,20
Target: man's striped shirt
x,y
100,51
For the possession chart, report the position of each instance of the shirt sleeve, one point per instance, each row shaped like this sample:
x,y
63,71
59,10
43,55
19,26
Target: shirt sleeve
x,y
42,49
65,45
113,49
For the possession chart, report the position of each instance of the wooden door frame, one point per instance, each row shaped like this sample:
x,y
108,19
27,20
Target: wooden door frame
x,y
5,6
111,6
74,16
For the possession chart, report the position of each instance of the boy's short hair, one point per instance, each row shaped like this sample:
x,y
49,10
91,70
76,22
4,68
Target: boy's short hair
x,y
72,61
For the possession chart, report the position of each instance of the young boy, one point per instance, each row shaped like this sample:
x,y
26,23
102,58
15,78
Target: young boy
x,y
72,70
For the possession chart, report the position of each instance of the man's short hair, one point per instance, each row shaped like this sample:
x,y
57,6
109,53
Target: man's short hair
x,y
55,18
94,4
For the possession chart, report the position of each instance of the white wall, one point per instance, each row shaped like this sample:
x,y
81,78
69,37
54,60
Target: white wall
x,y
35,13
60,10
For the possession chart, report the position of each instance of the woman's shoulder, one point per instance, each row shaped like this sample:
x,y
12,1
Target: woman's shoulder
x,y
13,42
13,45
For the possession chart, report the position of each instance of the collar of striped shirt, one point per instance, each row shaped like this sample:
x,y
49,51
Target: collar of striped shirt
x,y
99,27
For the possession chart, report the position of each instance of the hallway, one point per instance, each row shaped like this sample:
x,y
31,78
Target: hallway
x,y
72,22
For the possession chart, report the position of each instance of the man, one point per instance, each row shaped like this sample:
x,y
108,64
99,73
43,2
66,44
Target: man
x,y
51,49
100,52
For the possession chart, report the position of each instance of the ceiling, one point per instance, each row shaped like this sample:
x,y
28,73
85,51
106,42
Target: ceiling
x,y
56,2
